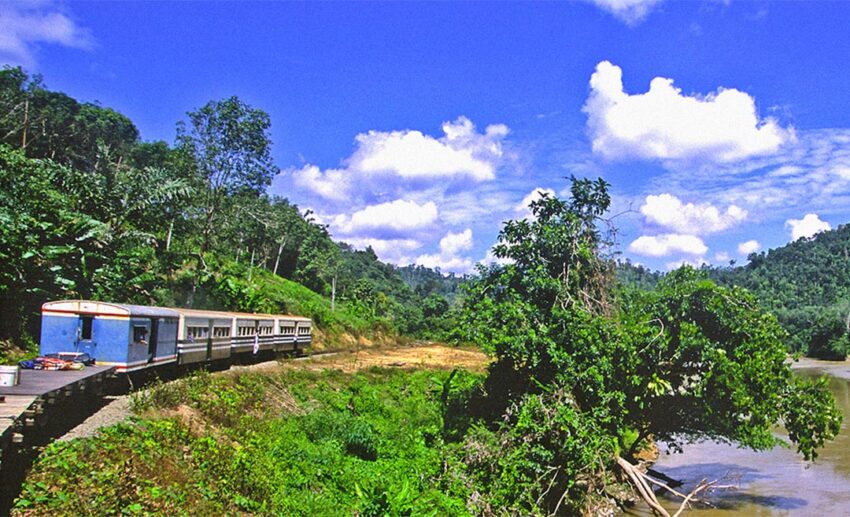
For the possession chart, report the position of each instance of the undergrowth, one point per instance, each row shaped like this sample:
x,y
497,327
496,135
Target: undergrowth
x,y
295,443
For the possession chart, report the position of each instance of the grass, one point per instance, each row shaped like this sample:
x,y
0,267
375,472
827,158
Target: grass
x,y
11,353
294,442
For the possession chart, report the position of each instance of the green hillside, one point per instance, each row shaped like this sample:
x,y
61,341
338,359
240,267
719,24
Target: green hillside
x,y
806,283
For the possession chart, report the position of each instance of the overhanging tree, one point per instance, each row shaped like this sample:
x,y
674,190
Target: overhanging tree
x,y
687,361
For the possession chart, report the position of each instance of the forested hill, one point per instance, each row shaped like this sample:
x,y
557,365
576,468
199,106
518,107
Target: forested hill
x,y
89,210
806,272
805,283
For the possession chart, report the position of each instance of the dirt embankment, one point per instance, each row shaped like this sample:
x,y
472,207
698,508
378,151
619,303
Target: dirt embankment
x,y
427,356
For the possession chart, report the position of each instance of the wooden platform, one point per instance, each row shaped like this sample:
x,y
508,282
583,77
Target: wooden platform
x,y
12,409
43,382
24,407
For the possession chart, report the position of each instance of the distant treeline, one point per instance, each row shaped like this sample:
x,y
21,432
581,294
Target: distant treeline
x,y
805,283
90,210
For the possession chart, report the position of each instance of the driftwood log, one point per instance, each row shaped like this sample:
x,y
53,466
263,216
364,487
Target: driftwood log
x,y
642,483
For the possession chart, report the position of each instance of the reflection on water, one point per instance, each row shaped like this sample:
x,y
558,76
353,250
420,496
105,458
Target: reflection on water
x,y
775,482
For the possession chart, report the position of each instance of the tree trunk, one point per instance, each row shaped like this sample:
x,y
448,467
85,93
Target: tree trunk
x,y
279,252
642,488
205,243
168,237
333,293
26,123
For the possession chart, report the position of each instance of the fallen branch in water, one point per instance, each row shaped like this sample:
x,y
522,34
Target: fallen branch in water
x,y
664,477
638,480
641,482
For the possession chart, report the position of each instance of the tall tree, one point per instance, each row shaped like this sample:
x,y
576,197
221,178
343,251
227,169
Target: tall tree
x,y
228,145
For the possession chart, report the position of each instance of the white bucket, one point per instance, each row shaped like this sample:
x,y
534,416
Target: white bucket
x,y
10,375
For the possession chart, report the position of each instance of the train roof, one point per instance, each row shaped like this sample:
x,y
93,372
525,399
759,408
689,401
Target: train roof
x,y
108,309
253,315
203,312
145,311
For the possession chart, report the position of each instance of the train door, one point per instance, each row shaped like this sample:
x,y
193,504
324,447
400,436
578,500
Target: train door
x,y
85,342
210,340
154,337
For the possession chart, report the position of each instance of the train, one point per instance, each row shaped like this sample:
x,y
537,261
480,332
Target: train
x,y
139,337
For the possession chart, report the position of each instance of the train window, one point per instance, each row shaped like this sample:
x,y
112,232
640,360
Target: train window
x,y
265,331
197,332
287,330
246,331
221,331
303,331
85,331
140,333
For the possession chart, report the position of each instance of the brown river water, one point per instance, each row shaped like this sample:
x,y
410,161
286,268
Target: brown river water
x,y
775,482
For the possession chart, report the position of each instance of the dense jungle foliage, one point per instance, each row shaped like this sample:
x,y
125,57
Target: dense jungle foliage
x,y
806,283
88,210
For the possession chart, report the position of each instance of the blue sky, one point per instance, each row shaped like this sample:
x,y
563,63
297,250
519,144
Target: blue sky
x,y
417,128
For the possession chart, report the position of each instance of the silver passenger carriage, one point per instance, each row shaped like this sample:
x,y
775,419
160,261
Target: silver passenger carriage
x,y
204,336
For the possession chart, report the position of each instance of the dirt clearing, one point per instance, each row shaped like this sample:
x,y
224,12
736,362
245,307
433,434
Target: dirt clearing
x,y
427,356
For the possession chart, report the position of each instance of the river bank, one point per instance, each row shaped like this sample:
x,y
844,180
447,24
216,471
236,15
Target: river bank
x,y
775,482
837,369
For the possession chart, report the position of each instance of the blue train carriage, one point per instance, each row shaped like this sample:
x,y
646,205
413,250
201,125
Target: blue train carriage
x,y
204,336
130,337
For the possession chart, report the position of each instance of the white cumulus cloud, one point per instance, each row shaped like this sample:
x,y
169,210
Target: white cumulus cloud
x,y
454,243
750,246
460,265
523,210
25,25
629,12
665,124
668,244
331,184
449,257
382,160
808,226
697,219
396,216
394,250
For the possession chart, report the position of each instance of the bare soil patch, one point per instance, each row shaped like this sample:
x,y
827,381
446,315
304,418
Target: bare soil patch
x,y
427,356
